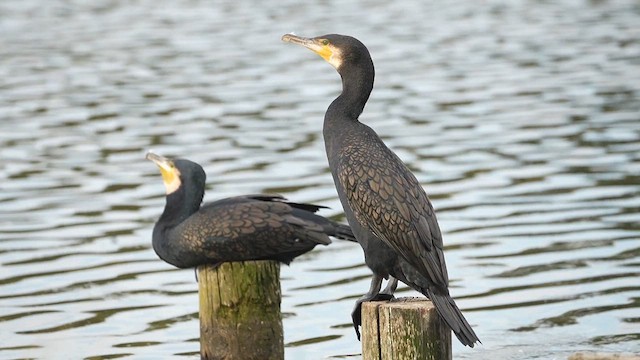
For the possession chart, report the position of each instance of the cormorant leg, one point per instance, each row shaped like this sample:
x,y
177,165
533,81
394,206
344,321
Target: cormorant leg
x,y
356,314
389,290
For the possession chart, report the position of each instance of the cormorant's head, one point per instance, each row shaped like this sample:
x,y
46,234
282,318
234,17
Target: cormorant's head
x,y
337,50
177,172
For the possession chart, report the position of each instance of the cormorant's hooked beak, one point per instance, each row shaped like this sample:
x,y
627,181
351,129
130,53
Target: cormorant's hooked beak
x,y
170,174
319,46
299,40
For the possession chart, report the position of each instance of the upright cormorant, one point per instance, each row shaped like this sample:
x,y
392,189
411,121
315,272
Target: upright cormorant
x,y
388,210
249,227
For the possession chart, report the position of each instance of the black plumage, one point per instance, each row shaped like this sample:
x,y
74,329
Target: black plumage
x,y
249,227
388,210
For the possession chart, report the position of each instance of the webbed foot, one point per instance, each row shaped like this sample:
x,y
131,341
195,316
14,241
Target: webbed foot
x,y
356,314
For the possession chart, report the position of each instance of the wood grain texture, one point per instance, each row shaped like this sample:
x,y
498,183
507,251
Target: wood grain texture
x,y
240,311
404,329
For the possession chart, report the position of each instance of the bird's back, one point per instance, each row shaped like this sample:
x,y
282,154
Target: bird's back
x,y
385,198
245,228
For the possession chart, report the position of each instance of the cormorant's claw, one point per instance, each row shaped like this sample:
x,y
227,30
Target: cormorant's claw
x,y
383,297
215,265
356,314
356,317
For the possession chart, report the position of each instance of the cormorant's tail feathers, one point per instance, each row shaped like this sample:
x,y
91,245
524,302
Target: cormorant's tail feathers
x,y
321,224
453,317
344,232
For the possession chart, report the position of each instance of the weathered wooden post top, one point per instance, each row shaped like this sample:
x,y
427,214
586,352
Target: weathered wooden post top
x,y
404,329
240,311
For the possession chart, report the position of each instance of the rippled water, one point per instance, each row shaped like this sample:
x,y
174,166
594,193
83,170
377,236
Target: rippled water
x,y
521,118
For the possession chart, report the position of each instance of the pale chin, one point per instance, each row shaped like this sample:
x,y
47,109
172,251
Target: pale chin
x,y
172,186
335,61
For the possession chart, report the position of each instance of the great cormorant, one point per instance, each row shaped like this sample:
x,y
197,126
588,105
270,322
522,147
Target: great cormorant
x,y
389,212
249,227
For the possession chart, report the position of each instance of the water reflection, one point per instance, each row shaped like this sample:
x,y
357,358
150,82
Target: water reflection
x,y
520,118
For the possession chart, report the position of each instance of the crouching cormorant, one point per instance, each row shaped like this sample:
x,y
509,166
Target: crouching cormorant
x,y
389,212
249,227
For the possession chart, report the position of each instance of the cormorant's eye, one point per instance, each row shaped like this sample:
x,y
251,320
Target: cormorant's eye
x,y
325,42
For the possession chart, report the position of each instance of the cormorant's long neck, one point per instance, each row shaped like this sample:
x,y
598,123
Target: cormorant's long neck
x,y
181,204
357,83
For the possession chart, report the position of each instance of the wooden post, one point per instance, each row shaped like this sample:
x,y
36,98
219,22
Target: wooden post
x,y
240,311
404,329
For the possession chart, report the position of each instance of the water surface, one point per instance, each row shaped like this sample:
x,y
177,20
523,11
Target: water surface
x,y
520,118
